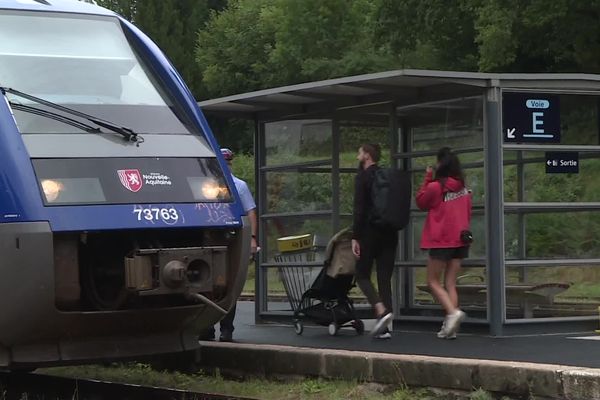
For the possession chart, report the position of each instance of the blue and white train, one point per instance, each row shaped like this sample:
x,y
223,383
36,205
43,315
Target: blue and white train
x,y
121,233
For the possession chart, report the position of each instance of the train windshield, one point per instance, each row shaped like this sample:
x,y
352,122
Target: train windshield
x,y
85,63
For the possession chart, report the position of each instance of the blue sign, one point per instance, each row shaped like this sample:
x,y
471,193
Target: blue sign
x,y
562,163
530,118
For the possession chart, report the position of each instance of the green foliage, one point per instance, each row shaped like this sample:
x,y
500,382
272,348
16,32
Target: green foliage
x,y
249,45
434,34
173,25
313,386
243,168
480,394
125,8
265,43
232,50
310,389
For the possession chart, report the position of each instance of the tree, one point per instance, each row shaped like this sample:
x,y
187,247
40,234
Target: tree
x,y
434,34
173,25
233,49
538,36
493,35
262,43
317,39
125,8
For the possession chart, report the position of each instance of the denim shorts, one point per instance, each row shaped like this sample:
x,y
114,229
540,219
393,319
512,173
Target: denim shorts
x,y
449,253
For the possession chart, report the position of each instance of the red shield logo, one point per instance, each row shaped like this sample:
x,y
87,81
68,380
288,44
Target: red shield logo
x,y
131,179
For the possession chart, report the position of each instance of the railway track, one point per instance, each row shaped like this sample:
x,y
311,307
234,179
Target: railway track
x,y
32,386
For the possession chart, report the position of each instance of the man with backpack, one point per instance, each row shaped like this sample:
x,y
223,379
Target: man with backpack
x,y
381,207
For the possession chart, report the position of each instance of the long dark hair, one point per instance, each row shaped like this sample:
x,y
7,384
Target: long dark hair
x,y
448,166
372,149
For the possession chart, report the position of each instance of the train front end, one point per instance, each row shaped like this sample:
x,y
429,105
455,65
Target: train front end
x,y
121,233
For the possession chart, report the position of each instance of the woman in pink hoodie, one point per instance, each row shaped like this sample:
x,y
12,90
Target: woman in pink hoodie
x,y
446,233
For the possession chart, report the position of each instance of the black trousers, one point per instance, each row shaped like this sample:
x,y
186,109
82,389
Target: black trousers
x,y
227,322
226,325
380,247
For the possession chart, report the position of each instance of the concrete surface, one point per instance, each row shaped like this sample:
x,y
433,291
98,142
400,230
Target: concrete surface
x,y
546,366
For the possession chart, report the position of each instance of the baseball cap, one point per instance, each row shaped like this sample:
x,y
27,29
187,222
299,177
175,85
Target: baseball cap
x,y
227,154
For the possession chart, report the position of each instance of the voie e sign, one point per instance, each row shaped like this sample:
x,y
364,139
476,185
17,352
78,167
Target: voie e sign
x,y
530,118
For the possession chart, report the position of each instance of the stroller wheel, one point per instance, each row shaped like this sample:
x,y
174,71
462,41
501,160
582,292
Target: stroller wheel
x,y
298,327
359,326
333,329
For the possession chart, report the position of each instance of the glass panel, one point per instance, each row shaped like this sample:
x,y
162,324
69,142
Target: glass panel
x,y
471,288
298,191
455,123
563,235
295,141
291,226
538,292
579,119
347,193
346,221
511,183
85,60
416,226
543,187
351,137
511,236
474,177
420,163
85,63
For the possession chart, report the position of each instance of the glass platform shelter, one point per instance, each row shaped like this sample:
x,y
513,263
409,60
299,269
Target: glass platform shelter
x,y
530,146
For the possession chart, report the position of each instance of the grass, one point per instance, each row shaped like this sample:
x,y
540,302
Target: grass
x,y
309,389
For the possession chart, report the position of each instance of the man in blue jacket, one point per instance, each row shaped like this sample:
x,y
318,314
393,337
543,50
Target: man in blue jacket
x,y
250,208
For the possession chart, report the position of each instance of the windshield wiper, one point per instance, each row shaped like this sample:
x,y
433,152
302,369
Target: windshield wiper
x,y
54,116
127,133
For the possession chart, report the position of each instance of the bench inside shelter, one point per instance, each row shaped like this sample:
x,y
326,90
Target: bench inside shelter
x,y
523,296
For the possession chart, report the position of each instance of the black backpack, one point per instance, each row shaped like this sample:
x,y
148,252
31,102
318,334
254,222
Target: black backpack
x,y
391,195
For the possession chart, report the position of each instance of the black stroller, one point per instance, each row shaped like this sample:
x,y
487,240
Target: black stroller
x,y
326,302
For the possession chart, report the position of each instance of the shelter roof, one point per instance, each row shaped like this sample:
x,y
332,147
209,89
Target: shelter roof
x,y
402,87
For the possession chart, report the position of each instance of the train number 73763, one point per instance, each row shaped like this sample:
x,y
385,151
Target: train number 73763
x,y
168,215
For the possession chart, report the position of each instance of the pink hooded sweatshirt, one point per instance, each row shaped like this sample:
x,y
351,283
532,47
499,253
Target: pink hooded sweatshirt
x,y
449,212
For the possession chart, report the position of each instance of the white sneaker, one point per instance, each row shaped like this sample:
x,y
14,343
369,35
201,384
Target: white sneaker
x,y
453,322
442,334
381,324
386,334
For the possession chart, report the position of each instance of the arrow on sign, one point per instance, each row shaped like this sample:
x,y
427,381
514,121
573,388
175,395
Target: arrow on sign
x,y
510,133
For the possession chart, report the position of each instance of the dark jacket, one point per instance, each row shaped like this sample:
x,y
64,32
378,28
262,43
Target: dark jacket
x,y
362,201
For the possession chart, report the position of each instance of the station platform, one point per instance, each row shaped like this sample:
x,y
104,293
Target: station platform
x,y
547,366
580,349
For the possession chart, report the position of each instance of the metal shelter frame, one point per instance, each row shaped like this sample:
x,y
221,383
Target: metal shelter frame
x,y
379,96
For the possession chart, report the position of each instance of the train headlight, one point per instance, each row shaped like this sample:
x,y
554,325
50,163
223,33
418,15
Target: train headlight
x,y
211,190
52,189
